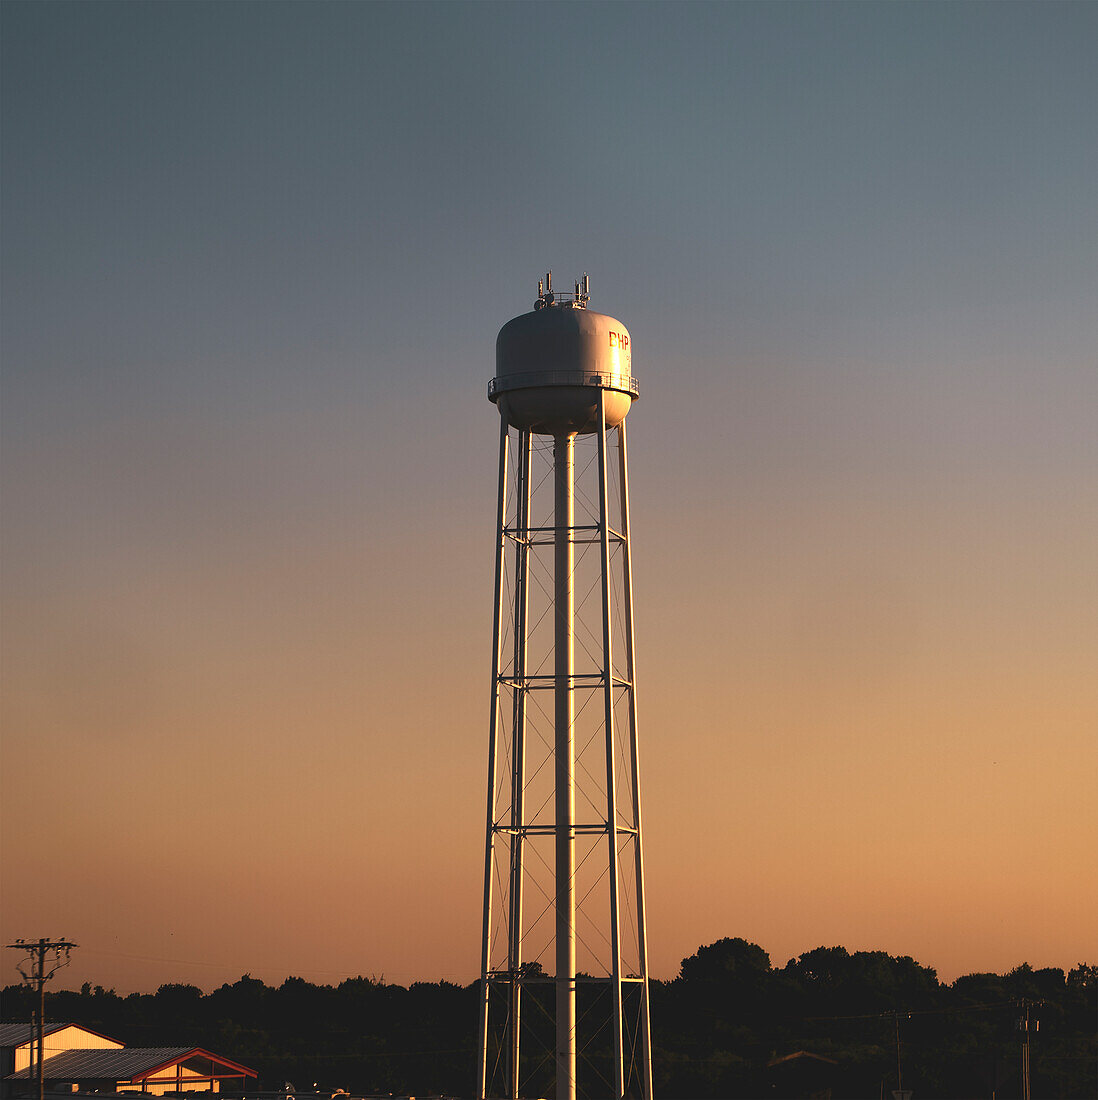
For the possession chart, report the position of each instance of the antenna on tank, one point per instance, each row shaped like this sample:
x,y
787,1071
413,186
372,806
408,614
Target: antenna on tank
x,y
577,298
582,295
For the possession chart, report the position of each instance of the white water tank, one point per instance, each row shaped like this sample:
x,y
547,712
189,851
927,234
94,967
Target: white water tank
x,y
551,363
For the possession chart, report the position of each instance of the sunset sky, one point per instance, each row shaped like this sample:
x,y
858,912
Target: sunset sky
x,y
255,257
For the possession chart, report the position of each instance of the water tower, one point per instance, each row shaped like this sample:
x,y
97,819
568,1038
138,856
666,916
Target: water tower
x,y
564,964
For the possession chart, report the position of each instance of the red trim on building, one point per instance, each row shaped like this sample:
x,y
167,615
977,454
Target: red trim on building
x,y
198,1052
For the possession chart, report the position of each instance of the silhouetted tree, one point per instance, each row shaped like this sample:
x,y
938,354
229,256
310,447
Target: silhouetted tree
x,y
715,1027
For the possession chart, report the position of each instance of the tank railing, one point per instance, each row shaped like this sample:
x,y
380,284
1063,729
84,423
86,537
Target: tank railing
x,y
563,298
524,380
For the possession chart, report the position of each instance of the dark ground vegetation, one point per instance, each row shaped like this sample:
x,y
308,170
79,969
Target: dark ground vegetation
x,y
716,1028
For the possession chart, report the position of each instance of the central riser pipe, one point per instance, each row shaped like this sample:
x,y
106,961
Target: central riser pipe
x,y
564,595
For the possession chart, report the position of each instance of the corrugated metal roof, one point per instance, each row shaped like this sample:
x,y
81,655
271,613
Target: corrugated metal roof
x,y
121,1065
13,1035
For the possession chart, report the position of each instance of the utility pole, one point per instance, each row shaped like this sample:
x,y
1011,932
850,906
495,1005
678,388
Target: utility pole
x,y
1026,1026
898,1092
899,1067
36,971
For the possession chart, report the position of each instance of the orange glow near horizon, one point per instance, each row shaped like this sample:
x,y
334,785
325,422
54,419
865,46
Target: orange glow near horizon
x,y
858,735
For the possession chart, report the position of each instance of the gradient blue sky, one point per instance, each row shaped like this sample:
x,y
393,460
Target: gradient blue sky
x,y
254,260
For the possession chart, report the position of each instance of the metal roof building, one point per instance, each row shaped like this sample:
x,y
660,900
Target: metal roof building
x,y
151,1070
18,1045
146,1069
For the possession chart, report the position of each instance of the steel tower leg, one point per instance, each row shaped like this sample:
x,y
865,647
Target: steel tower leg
x,y
611,769
565,793
486,930
518,754
630,673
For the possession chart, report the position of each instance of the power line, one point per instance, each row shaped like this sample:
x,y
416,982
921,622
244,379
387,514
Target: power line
x,y
907,1013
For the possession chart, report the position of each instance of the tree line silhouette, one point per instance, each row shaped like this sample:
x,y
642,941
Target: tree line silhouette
x,y
724,1027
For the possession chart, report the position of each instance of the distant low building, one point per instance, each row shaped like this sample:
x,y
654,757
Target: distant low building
x,y
78,1059
801,1075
